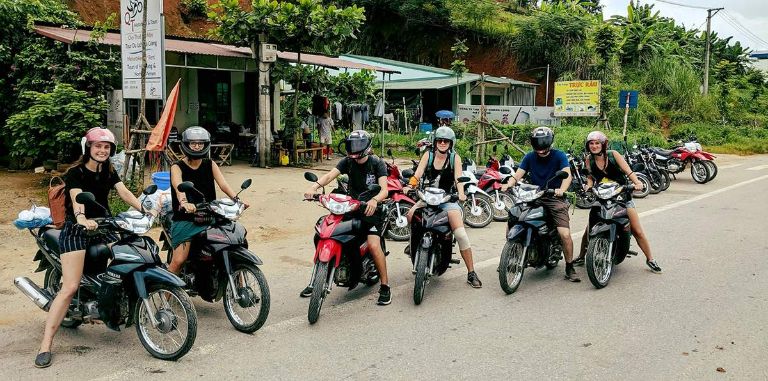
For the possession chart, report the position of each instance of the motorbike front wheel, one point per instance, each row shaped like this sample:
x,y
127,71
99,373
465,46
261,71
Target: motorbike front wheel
x,y
422,258
478,211
177,322
248,309
599,262
319,286
395,232
505,202
712,169
646,187
511,266
667,179
700,172
53,285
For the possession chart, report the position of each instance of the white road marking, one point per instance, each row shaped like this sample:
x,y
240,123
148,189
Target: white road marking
x,y
731,166
757,168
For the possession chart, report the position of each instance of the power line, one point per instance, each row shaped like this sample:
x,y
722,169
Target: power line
x,y
743,29
681,5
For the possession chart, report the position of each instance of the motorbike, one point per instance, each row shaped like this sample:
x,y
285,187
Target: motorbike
x,y
656,180
433,237
609,237
490,181
532,238
122,285
584,199
703,168
399,203
220,265
341,249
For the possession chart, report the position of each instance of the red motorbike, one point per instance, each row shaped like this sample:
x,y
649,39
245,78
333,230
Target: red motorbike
x,y
398,203
341,250
490,181
703,167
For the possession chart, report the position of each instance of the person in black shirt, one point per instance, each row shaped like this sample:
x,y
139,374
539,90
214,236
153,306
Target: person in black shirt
x,y
94,173
363,170
204,173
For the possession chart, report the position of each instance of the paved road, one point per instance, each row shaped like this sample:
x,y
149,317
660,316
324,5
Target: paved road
x,y
708,310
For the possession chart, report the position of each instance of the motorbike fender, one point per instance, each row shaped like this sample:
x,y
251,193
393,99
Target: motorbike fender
x,y
326,226
328,250
707,155
154,275
602,227
699,155
520,233
472,188
241,254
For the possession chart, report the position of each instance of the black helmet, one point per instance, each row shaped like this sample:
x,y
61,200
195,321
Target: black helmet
x,y
542,138
358,144
195,134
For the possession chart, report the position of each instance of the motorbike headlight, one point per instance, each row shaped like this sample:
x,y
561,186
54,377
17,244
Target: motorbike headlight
x,y
338,207
227,208
526,195
434,197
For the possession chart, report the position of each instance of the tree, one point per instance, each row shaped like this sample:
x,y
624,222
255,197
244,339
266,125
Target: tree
x,y
459,64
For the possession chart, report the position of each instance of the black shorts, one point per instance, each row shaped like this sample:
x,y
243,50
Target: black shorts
x,y
373,224
73,238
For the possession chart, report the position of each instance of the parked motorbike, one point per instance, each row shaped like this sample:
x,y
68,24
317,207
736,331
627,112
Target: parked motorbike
x,y
341,248
656,179
124,284
703,168
609,237
434,237
584,199
489,180
220,265
399,203
532,238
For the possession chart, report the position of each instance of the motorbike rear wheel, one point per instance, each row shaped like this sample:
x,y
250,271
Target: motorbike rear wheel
x,y
656,182
599,262
700,172
485,209
252,296
394,232
712,169
52,283
667,179
422,258
319,286
177,317
512,266
506,199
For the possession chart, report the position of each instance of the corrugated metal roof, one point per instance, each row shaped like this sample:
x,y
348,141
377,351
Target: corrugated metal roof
x,y
206,48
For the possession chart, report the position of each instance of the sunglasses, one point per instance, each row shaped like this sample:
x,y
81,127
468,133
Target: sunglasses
x,y
443,141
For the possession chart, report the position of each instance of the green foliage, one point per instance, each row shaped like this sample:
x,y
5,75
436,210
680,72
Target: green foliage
x,y
53,122
191,9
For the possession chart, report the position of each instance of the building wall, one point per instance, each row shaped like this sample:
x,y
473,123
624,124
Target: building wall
x,y
238,97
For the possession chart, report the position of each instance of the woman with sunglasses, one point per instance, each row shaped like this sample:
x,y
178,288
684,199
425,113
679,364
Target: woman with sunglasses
x,y
440,167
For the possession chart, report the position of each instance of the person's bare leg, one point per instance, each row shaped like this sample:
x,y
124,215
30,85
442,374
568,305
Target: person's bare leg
x,y
180,254
72,271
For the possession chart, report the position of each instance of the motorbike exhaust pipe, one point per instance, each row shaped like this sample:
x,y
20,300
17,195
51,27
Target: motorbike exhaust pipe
x,y
41,297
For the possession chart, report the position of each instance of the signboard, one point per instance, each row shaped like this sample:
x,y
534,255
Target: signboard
x,y
633,94
577,98
507,114
115,111
131,12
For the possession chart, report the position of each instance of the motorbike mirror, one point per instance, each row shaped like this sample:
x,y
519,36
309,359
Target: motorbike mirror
x,y
186,186
638,167
463,179
85,198
150,189
389,152
309,176
505,170
246,184
408,173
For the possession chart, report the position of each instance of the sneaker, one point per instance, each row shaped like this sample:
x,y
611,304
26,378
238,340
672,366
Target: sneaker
x,y
306,292
473,280
653,266
570,273
578,261
43,360
385,296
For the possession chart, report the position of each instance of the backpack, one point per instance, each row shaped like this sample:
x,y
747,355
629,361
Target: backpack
x,y
57,202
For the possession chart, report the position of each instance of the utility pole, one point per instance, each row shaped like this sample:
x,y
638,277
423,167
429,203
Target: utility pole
x,y
706,56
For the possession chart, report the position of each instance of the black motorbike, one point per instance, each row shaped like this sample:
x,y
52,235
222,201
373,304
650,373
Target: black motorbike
x,y
584,199
532,237
220,265
609,237
432,237
121,285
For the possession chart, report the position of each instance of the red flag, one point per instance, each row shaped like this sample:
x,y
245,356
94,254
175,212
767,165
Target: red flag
x,y
160,133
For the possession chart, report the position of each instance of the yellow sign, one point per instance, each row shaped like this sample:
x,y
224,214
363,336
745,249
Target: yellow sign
x,y
577,98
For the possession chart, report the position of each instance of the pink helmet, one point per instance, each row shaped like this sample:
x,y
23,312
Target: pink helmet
x,y
98,134
600,137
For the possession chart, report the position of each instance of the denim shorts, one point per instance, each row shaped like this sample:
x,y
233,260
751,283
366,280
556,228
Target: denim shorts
x,y
444,206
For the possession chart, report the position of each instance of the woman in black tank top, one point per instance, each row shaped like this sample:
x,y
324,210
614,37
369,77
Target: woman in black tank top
x,y
203,173
605,164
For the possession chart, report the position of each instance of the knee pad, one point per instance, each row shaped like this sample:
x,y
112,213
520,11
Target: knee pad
x,y
461,238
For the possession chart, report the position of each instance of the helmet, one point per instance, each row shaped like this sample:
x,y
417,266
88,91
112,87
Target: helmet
x,y
98,134
542,138
195,134
358,144
444,132
599,136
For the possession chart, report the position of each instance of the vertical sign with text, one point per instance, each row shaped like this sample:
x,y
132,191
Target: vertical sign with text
x,y
131,18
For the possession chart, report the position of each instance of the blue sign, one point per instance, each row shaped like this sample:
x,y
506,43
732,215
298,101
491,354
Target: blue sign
x,y
633,94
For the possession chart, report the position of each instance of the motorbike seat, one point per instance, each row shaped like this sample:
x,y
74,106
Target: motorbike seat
x,y
663,152
51,238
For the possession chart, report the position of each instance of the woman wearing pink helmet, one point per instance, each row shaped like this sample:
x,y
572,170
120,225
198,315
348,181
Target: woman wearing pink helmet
x,y
601,164
95,174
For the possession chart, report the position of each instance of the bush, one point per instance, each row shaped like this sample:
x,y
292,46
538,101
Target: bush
x,y
191,9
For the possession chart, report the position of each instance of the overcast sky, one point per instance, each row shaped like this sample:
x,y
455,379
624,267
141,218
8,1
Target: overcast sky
x,y
739,18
